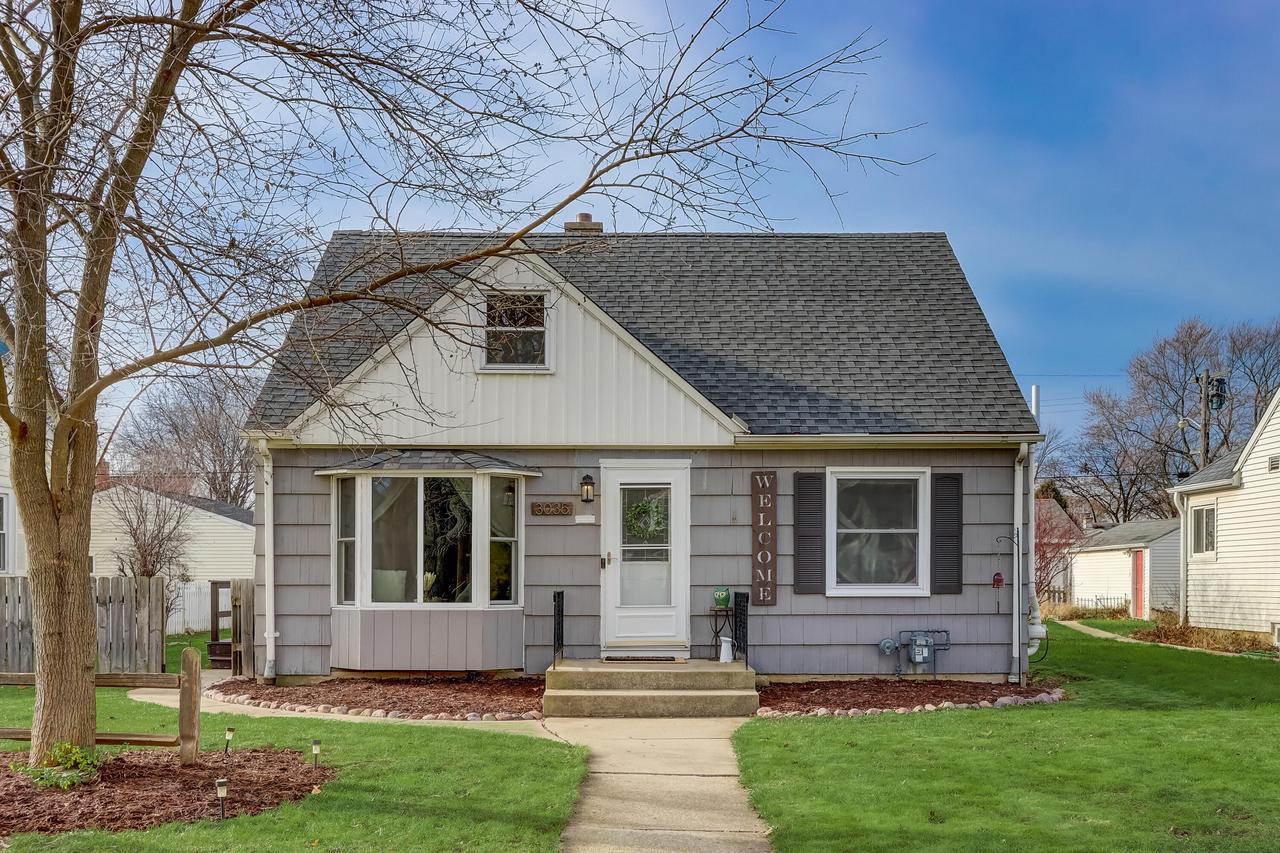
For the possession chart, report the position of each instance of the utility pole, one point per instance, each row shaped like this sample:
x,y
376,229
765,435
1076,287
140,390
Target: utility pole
x,y
1204,379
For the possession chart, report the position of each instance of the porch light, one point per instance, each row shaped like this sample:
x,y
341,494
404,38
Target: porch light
x,y
509,494
588,488
222,798
315,753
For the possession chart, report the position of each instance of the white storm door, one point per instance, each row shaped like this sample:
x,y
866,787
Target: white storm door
x,y
645,538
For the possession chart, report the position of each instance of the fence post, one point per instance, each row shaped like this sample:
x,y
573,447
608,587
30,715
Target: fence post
x,y
189,708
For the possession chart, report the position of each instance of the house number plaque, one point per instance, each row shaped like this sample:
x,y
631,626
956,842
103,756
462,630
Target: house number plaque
x,y
561,508
764,538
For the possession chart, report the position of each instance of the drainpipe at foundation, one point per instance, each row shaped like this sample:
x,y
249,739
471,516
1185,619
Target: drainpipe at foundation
x,y
268,560
1018,618
1184,547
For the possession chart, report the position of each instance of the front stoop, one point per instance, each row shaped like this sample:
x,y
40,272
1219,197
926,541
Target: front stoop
x,y
592,688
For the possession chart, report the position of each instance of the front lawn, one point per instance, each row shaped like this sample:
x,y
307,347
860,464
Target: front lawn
x,y
398,787
1123,627
1159,749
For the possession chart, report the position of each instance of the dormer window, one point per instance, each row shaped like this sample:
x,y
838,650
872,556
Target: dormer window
x,y
515,330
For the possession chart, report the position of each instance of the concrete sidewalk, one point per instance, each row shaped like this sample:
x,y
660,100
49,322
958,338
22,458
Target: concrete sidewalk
x,y
660,784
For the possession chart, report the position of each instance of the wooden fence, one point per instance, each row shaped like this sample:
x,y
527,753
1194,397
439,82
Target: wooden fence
x,y
130,616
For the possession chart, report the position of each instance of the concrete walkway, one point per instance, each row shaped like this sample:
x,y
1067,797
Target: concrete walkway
x,y
660,784
652,784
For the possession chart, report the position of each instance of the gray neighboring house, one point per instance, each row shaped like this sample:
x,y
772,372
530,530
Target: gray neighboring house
x,y
825,420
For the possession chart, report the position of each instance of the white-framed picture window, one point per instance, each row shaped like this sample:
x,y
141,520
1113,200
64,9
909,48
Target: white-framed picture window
x,y
1204,530
344,552
877,531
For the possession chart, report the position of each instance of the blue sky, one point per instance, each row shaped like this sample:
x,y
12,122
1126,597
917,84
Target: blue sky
x,y
1104,170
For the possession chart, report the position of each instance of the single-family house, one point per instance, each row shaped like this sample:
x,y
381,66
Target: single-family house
x,y
1135,562
1230,531
825,421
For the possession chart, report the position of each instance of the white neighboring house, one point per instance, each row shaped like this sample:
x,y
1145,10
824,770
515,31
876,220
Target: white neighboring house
x,y
1137,561
1230,513
219,547
13,545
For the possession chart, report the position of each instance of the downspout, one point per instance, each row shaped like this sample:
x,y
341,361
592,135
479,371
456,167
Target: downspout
x,y
1183,548
269,559
1035,630
1017,618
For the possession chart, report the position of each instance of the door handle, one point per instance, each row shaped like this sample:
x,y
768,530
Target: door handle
x,y
606,560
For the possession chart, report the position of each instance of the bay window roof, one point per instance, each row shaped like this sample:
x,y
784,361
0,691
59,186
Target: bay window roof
x,y
431,460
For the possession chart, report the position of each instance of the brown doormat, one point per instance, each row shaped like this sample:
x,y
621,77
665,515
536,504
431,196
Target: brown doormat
x,y
653,659
139,789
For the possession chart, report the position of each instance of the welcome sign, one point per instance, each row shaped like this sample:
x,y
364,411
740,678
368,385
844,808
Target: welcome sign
x,y
764,538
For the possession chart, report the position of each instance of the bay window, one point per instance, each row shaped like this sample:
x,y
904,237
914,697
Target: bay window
x,y
877,523
426,540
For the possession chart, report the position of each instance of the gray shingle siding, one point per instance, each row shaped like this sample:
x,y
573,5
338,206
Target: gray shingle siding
x,y
802,634
793,333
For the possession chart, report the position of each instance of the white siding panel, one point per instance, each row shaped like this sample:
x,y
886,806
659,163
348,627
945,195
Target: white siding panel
x,y
218,548
1240,588
604,390
1101,575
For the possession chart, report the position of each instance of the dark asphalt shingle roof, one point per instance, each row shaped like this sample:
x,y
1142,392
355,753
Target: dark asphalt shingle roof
x,y
226,510
794,333
1218,469
434,460
1136,533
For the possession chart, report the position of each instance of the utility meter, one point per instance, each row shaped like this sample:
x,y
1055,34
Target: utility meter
x,y
921,648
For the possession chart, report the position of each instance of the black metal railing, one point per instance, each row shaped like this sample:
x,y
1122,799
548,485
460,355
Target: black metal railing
x,y
557,625
740,602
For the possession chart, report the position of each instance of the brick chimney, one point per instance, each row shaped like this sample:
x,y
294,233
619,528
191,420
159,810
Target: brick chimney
x,y
102,475
583,224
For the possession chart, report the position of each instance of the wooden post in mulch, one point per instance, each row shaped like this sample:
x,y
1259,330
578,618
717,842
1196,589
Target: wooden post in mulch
x,y
189,708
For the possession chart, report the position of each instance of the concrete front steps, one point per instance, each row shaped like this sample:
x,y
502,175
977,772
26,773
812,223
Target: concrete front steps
x,y
696,688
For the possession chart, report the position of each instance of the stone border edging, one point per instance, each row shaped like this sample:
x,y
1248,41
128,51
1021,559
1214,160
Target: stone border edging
x,y
380,713
1057,695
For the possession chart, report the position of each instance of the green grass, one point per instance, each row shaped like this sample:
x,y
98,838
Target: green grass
x,y
398,787
1123,627
1159,749
175,643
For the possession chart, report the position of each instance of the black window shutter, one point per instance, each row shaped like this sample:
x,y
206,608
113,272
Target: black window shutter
x,y
810,533
946,574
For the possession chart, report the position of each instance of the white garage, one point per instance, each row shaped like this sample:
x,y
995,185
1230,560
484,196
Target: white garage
x,y
1135,562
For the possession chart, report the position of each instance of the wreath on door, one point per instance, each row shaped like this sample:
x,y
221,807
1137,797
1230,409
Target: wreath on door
x,y
646,518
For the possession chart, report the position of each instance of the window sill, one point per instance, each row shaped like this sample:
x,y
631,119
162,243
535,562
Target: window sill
x,y
877,592
1208,557
425,607
539,369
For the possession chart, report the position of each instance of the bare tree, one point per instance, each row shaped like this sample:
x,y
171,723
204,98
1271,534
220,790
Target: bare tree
x,y
193,429
1056,535
172,171
1119,475
150,533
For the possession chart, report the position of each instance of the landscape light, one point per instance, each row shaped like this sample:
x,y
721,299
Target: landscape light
x,y
315,752
222,799
226,745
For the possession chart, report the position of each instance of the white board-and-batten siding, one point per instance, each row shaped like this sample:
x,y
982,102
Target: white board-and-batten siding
x,y
601,388
802,634
1238,588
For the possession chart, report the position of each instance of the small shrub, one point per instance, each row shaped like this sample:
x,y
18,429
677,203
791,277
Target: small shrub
x,y
69,766
1074,613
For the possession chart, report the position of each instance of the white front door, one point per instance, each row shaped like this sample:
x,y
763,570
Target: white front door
x,y
645,567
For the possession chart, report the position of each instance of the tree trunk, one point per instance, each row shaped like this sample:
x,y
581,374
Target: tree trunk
x,y
65,651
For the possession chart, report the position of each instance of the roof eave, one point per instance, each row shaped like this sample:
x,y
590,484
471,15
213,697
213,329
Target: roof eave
x,y
1232,482
844,440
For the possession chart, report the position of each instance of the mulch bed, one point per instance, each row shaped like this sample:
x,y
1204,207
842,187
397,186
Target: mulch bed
x,y
410,696
138,789
867,693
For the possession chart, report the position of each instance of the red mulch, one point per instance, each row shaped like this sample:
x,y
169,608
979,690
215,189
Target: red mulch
x,y
138,789
866,693
445,694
